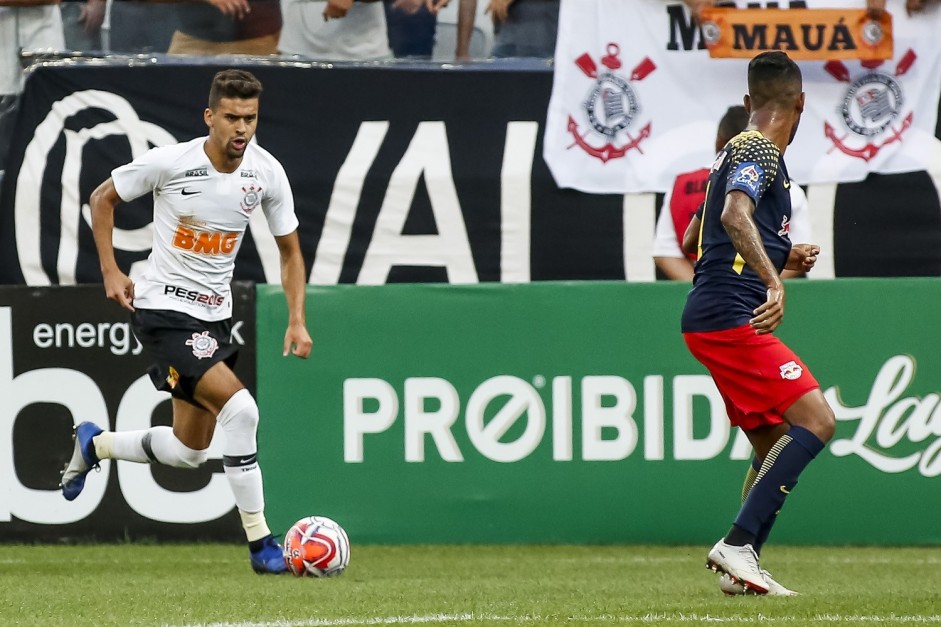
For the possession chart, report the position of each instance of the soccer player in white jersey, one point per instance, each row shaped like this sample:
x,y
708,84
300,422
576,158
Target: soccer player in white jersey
x,y
204,191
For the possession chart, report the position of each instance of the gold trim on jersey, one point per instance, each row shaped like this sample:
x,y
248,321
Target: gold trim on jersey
x,y
738,265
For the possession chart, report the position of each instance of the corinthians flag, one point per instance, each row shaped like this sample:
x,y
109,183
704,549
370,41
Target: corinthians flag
x,y
636,96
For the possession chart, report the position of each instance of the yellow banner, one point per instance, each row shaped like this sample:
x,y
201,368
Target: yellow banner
x,y
804,34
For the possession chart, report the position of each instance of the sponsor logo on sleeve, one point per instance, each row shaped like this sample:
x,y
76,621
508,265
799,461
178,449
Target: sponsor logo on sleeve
x,y
749,175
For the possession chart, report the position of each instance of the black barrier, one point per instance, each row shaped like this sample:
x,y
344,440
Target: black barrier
x,y
67,353
311,119
375,154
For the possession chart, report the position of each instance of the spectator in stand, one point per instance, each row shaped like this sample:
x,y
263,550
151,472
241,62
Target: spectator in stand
x,y
81,23
875,7
141,26
335,30
227,27
25,25
522,28
411,25
677,235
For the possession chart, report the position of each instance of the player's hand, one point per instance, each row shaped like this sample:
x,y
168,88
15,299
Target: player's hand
x,y
336,9
297,341
120,288
499,9
802,257
770,314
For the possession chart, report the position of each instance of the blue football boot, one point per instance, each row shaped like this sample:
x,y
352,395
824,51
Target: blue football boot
x,y
269,559
83,459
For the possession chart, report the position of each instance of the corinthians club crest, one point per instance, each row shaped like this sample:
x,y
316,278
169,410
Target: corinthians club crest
x,y
872,108
610,108
251,197
204,345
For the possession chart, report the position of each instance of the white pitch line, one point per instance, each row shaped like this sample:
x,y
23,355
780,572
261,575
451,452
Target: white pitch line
x,y
645,619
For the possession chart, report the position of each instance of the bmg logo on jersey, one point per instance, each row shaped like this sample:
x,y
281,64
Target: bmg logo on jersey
x,y
204,242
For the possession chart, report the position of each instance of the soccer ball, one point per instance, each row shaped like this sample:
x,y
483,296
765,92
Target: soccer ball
x,y
316,546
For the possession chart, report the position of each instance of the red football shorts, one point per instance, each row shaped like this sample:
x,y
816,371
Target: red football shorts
x,y
757,375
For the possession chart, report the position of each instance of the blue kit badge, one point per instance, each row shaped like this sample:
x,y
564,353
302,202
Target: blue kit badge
x,y
749,175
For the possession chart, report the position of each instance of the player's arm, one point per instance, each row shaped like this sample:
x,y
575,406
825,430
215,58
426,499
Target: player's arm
x,y
737,218
675,268
118,286
667,255
691,236
296,338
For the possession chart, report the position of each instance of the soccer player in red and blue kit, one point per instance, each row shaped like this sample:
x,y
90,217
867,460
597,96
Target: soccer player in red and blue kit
x,y
737,302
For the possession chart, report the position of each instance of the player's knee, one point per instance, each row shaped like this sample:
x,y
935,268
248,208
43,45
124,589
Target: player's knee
x,y
186,457
239,414
193,458
826,424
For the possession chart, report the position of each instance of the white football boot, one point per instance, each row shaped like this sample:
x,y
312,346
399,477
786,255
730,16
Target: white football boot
x,y
740,563
732,588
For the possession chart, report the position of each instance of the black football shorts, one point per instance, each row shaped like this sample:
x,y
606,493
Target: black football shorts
x,y
183,348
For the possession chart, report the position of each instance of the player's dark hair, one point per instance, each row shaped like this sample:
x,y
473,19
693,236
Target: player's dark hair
x,y
732,123
233,84
774,80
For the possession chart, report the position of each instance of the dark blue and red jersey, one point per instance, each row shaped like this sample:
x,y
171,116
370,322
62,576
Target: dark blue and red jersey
x,y
726,291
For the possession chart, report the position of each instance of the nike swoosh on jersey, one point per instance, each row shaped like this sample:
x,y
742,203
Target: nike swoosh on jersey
x,y
186,193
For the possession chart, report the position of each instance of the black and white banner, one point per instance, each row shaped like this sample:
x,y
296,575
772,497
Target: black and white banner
x,y
636,97
399,174
68,355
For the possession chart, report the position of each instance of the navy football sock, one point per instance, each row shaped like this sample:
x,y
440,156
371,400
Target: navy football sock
x,y
777,477
750,477
759,540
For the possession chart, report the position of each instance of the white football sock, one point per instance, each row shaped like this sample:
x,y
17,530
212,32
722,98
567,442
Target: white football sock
x,y
255,525
239,421
156,445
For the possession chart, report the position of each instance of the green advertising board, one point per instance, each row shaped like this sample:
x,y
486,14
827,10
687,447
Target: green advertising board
x,y
573,413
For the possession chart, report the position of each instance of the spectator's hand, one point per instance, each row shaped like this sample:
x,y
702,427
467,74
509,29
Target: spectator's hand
x,y
499,9
232,8
408,6
802,257
435,5
696,7
336,9
914,6
92,15
875,8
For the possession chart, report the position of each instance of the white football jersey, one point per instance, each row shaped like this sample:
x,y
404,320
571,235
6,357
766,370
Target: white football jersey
x,y
200,218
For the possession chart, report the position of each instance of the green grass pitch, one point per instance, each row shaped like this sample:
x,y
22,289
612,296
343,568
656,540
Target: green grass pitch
x,y
212,584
